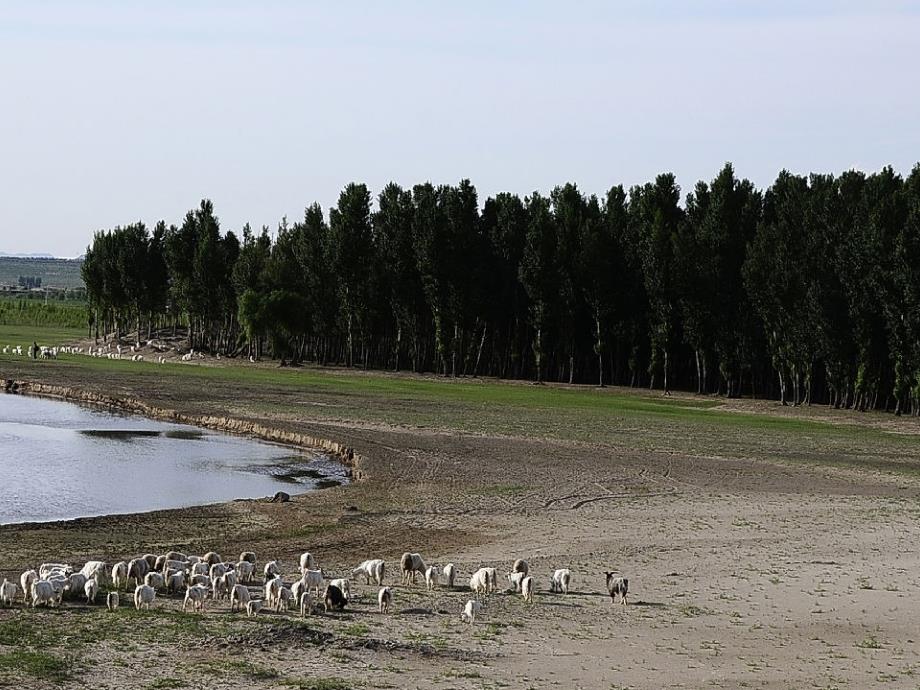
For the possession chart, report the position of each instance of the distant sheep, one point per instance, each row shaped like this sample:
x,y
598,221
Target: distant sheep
x,y
95,570
343,585
561,580
195,595
272,589
144,596
155,580
515,579
111,601
313,579
211,558
372,570
520,566
120,574
307,562
175,582
91,589
271,570
8,591
470,611
306,604
284,599
479,581
137,570
239,597
412,565
25,582
334,599
617,586
253,607
43,593
432,577
384,599
450,572
248,556
75,584
245,570
527,589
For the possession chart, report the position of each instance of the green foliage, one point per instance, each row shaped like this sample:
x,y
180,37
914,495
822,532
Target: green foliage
x,y
52,313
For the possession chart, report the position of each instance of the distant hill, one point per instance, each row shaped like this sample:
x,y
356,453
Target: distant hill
x,y
54,273
28,256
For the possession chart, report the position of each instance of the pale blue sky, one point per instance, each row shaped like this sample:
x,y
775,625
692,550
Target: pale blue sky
x,y
117,111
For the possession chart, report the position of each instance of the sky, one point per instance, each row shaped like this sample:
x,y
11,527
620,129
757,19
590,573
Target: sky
x,y
114,112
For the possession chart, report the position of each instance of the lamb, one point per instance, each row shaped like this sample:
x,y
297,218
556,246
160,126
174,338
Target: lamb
x,y
175,582
432,577
8,591
470,611
144,596
111,601
371,569
313,579
272,587
25,581
617,586
384,599
91,589
120,575
527,589
492,575
306,604
450,572
479,582
239,597
561,580
253,607
307,562
155,580
137,569
272,569
343,585
520,566
334,599
515,578
284,599
245,570
248,556
195,595
411,565
43,593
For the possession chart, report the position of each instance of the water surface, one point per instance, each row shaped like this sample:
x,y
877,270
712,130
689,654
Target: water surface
x,y
60,461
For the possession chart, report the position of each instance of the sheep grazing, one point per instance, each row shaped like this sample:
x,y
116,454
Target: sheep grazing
x,y
343,585
151,559
201,569
46,569
239,597
432,577
412,565
271,570
470,611
560,581
137,570
211,558
43,593
95,570
120,575
372,570
450,572
312,579
172,564
479,581
218,570
25,582
334,599
248,556
155,580
515,580
617,586
520,566
91,589
307,562
245,570
384,599
144,596
306,604
203,580
228,582
195,595
8,591
253,607
176,556
175,582
111,601
272,587
527,589
75,584
284,599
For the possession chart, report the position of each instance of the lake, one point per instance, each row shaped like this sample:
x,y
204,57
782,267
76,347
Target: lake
x,y
60,461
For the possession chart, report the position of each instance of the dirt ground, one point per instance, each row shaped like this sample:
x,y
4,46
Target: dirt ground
x,y
744,570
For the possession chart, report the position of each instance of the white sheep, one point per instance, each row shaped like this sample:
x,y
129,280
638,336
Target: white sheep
x,y
91,589
46,569
520,566
201,568
195,595
95,570
450,573
617,586
25,582
137,569
120,574
412,564
432,577
306,604
43,593
175,582
272,587
202,580
155,580
343,585
245,570
75,584
479,581
217,570
111,601
284,599
372,570
248,556
493,578
561,580
307,562
527,589
384,599
271,570
239,597
176,556
515,578
8,592
212,557
144,596
470,611
253,607
313,579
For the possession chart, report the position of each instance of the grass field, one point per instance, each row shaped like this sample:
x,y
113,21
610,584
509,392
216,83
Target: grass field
x,y
43,335
51,313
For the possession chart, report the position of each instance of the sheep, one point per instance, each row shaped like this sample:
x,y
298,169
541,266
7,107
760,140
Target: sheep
x,y
515,580
411,565
95,570
144,596
203,580
195,595
43,593
384,599
239,597
200,568
111,601
25,582
172,564
284,599
45,569
75,584
520,566
59,584
155,580
151,559
617,586
175,582
334,599
120,575
479,581
248,556
272,587
371,569
211,558
527,589
470,611
230,580
432,577
253,607
307,562
561,580
137,569
159,563
272,569
91,589
450,572
8,591
313,579
176,556
306,604
217,570
343,585
245,570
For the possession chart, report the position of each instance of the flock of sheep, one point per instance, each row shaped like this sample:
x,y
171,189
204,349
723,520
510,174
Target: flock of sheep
x,y
108,351
209,577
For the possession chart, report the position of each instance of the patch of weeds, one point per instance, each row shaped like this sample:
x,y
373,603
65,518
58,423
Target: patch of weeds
x,y
863,583
39,665
356,630
691,611
319,684
166,684
869,642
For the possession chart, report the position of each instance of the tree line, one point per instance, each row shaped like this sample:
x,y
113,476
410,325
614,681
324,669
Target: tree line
x,y
806,291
